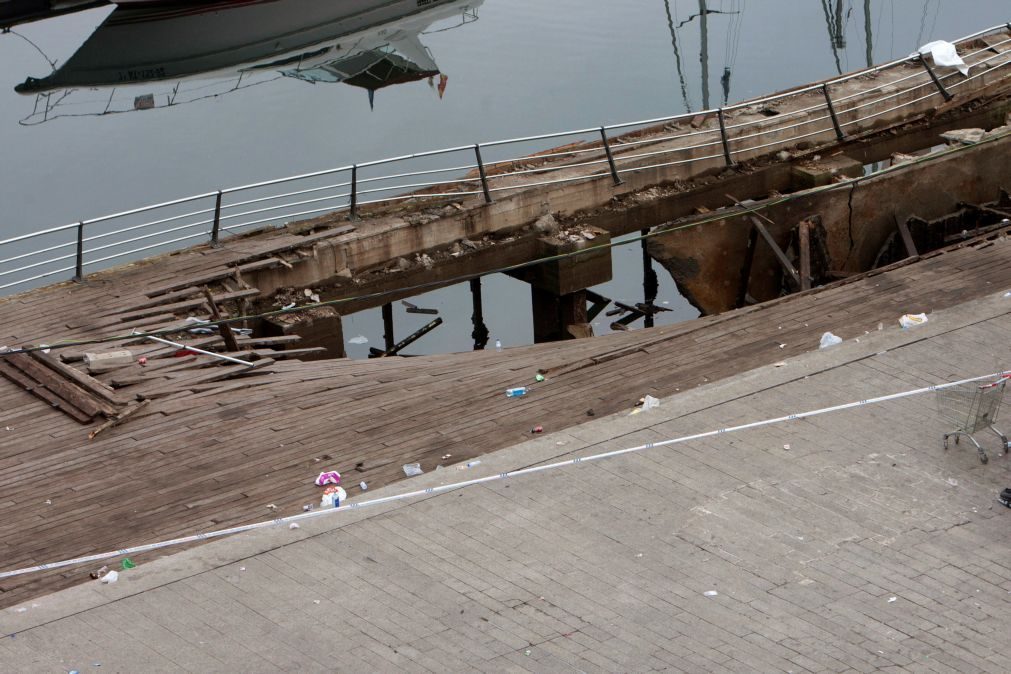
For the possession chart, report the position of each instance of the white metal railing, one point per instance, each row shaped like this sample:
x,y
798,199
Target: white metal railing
x,y
73,248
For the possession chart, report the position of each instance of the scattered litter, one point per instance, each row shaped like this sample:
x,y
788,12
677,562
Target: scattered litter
x,y
360,339
828,339
471,464
20,609
649,402
49,501
8,428
891,599
590,413
446,456
294,525
1007,294
952,481
498,344
537,429
781,363
328,477
363,486
526,652
332,497
538,377
944,54
315,601
911,320
242,568
290,305
142,360
128,564
711,593
782,346
307,508
786,447
560,443
881,326
638,555
99,573
110,577
271,506
516,392
412,469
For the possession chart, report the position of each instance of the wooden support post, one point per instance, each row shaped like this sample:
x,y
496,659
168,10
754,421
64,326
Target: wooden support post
x,y
597,304
749,259
804,239
907,238
224,328
480,333
777,251
388,338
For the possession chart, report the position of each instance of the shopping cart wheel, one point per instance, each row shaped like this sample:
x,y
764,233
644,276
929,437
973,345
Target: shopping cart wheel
x,y
946,441
982,456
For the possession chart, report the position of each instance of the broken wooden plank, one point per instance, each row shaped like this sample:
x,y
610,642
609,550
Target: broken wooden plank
x,y
116,421
176,307
89,384
40,391
76,396
223,328
907,238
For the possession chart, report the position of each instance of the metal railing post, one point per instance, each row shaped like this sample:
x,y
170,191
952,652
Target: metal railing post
x,y
723,137
937,82
610,157
354,192
79,266
484,176
831,111
216,228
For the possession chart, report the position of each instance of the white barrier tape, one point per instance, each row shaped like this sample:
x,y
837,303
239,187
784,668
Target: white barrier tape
x,y
490,478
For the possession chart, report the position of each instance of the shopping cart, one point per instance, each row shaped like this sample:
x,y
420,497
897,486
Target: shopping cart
x,y
970,407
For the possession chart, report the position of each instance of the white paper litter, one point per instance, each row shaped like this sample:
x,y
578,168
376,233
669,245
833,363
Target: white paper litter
x,y
360,339
828,339
912,320
944,54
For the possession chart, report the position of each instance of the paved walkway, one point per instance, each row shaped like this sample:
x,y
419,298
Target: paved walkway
x,y
845,542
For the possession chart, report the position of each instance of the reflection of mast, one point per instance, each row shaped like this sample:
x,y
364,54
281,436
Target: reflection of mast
x,y
868,38
677,57
836,36
704,51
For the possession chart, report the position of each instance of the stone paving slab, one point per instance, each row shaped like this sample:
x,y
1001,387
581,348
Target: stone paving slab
x,y
845,542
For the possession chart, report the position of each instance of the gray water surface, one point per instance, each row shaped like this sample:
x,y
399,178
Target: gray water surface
x,y
523,67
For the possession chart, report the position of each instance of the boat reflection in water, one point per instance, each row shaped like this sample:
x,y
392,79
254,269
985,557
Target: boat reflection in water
x,y
155,56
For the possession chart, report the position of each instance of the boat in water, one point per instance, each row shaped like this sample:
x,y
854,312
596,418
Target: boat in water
x,y
210,48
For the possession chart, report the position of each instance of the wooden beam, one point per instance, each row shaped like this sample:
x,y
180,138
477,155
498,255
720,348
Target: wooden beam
x,y
804,242
749,260
224,328
907,238
129,412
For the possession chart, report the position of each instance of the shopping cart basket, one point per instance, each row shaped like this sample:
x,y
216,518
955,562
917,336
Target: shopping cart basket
x,y
970,407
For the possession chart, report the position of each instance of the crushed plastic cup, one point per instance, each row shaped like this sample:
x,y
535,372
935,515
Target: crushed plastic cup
x,y
412,469
912,320
828,339
516,392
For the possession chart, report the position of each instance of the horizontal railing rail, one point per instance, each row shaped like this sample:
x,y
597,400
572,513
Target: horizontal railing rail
x,y
457,172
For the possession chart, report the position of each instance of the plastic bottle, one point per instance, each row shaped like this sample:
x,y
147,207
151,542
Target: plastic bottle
x,y
498,344
516,392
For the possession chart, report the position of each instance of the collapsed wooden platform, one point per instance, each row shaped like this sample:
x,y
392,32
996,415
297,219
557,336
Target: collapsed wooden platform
x,y
211,454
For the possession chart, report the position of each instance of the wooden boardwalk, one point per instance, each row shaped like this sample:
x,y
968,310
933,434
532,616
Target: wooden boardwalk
x,y
206,457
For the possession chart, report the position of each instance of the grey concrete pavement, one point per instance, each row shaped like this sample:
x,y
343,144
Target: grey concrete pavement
x,y
846,542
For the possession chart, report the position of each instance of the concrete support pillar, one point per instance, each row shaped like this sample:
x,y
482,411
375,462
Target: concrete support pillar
x,y
558,286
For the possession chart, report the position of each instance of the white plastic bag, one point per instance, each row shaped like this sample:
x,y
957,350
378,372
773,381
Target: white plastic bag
x,y
412,469
649,402
828,339
912,320
944,54
110,577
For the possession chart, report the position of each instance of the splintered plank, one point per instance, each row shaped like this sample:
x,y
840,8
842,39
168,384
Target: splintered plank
x,y
77,397
33,387
161,309
89,384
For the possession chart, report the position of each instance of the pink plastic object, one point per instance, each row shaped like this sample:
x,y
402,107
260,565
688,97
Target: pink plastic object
x,y
328,477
